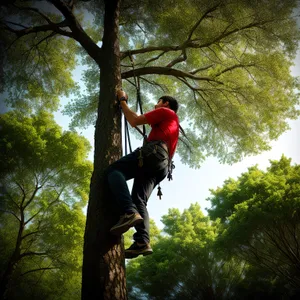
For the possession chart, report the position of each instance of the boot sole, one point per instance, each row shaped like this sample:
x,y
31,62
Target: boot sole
x,y
122,229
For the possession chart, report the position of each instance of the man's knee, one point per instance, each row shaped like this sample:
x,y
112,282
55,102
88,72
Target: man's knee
x,y
114,176
108,173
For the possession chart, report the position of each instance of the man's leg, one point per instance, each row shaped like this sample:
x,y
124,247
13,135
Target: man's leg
x,y
141,191
117,175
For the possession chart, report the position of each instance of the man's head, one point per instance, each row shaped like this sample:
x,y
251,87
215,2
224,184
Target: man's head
x,y
167,101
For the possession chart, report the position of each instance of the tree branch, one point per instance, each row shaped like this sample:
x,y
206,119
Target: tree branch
x,y
201,19
12,213
78,33
154,58
201,69
234,67
32,197
35,29
165,71
177,60
33,254
195,43
36,11
189,85
23,192
33,216
233,31
149,49
35,270
156,85
29,234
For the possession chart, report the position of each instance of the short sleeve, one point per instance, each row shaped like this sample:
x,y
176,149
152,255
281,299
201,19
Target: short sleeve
x,y
157,115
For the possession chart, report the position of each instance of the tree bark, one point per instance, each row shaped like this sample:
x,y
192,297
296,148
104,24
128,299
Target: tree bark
x,y
103,274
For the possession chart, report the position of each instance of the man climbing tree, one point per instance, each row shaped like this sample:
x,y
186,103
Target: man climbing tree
x,y
148,166
228,60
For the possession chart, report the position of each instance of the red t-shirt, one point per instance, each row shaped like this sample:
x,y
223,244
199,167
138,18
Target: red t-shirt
x,y
165,127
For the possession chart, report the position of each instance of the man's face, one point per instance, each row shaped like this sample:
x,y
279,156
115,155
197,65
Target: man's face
x,y
161,104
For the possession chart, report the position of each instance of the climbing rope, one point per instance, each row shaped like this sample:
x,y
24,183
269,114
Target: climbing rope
x,y
139,107
138,97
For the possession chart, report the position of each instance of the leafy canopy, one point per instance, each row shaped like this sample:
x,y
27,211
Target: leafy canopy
x,y
227,62
260,213
184,264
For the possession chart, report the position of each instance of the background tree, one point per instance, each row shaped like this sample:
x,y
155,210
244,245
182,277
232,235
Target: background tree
x,y
185,264
250,250
228,63
260,213
45,178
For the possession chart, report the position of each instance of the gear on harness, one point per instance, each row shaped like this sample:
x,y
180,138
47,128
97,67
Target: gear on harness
x,y
171,166
159,193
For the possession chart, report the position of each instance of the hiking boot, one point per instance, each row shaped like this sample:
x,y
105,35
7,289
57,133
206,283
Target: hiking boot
x,y
126,221
137,249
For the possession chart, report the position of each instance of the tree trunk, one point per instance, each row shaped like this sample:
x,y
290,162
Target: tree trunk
x,y
103,274
13,261
6,277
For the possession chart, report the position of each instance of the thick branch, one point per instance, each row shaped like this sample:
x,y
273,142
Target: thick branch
x,y
150,49
78,33
35,29
165,71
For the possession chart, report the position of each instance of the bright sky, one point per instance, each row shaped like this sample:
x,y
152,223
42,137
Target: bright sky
x,y
189,185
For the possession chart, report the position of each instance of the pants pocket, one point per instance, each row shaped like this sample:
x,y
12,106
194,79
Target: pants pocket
x,y
155,162
154,158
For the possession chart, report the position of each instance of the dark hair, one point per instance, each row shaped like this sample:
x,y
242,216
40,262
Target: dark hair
x,y
173,103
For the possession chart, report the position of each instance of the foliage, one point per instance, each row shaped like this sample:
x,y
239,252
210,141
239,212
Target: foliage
x,y
248,250
261,224
227,62
38,70
184,264
154,235
45,183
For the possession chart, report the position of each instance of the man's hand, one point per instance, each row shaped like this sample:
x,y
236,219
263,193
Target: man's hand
x,y
121,95
133,119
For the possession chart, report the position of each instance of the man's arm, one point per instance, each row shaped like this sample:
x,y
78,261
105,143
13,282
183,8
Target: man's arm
x,y
133,119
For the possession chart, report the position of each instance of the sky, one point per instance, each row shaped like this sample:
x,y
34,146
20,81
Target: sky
x,y
189,185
